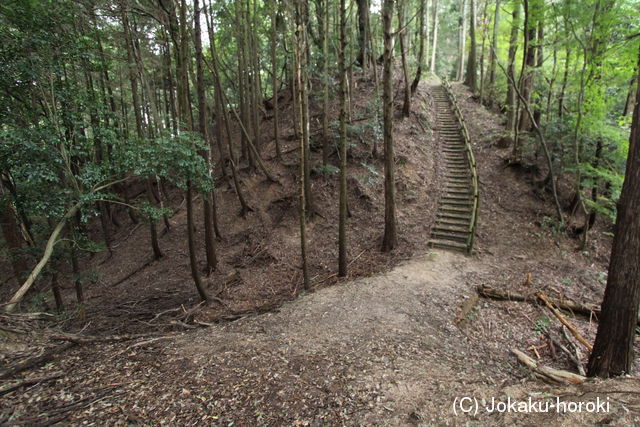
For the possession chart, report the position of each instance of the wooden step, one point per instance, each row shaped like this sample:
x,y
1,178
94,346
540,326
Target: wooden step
x,y
448,245
462,224
455,237
453,216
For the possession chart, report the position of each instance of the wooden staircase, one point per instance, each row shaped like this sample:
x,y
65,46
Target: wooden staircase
x,y
458,206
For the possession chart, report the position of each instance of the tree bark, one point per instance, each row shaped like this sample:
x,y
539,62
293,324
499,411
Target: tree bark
x,y
613,350
390,238
209,233
406,105
462,39
342,221
471,78
434,36
510,102
421,43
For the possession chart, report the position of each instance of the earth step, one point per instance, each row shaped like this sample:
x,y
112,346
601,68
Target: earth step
x,y
443,244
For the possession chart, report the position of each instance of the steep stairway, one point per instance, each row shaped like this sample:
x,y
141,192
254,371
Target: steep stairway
x,y
457,209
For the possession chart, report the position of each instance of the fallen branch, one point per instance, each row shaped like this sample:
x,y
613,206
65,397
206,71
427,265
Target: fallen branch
x,y
550,375
33,362
564,321
79,339
28,382
563,304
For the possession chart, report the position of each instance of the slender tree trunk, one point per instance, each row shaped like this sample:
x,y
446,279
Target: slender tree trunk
x,y
421,36
510,102
342,224
434,36
274,78
390,239
462,39
406,106
363,19
472,68
193,259
136,105
528,62
565,80
494,49
484,38
613,349
299,51
325,82
209,233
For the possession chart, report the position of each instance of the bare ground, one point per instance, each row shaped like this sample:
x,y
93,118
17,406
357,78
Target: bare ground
x,y
382,349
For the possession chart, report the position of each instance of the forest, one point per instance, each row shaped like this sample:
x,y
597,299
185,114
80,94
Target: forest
x,y
272,211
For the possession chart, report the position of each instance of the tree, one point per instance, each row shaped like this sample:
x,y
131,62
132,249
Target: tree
x,y
472,68
342,69
390,239
613,349
434,35
421,42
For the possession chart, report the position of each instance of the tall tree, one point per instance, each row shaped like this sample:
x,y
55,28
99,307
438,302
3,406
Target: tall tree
x,y
390,239
209,236
342,69
363,36
421,34
472,68
434,35
613,349
462,39
406,105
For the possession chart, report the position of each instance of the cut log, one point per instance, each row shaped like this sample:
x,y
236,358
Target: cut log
x,y
545,373
462,319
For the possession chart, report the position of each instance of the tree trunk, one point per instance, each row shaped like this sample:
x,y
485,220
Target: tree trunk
x,y
274,78
406,105
193,259
471,78
434,36
510,102
299,52
390,238
209,233
494,48
462,39
342,222
613,349
421,42
565,80
363,18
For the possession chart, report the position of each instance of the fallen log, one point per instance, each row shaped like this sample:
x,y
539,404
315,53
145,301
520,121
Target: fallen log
x,y
545,373
563,304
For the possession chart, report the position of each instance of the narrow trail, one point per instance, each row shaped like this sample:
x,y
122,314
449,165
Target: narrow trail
x,y
454,225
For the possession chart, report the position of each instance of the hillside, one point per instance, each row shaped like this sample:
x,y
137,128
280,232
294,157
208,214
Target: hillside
x,y
379,349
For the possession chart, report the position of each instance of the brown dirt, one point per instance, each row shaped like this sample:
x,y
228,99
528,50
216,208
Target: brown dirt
x,y
381,349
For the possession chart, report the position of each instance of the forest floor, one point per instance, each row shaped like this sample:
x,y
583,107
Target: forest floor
x,y
375,349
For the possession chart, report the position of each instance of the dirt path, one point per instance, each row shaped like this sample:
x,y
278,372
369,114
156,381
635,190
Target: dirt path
x,y
378,350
